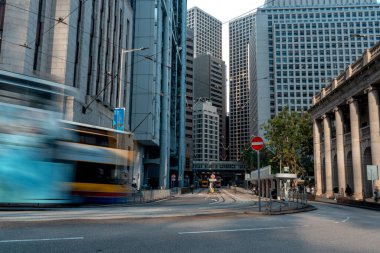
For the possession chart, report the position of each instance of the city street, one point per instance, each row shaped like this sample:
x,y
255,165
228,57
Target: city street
x,y
190,223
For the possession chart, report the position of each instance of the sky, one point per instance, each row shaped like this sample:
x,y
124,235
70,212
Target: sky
x,y
225,10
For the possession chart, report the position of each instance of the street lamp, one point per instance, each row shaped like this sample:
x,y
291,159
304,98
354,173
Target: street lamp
x,y
124,51
119,106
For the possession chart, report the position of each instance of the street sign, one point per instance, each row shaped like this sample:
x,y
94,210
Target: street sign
x,y
257,143
372,173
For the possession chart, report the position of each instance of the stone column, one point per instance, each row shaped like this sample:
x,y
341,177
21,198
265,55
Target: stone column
x,y
317,157
69,108
355,148
340,148
327,142
373,107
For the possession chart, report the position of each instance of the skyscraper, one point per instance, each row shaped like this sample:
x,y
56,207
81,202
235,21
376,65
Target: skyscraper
x,y
209,69
239,34
189,98
159,90
297,46
207,32
209,83
82,50
206,131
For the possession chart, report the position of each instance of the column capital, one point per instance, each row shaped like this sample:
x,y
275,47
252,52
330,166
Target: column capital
x,y
326,116
370,89
336,109
351,100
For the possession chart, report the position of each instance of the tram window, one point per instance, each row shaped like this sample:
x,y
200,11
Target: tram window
x,y
97,140
95,173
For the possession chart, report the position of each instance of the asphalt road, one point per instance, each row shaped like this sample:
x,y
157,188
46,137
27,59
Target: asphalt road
x,y
330,228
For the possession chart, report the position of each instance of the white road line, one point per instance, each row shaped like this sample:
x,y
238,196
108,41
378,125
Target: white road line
x,y
238,230
43,239
343,221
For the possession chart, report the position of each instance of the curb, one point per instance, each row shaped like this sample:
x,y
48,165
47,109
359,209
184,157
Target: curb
x,y
348,204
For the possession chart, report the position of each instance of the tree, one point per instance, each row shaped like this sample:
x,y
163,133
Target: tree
x,y
290,137
249,156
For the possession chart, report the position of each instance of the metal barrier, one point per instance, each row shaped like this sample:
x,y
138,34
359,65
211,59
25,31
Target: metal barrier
x,y
144,196
294,201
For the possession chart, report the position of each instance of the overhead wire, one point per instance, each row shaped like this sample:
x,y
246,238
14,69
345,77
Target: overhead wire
x,y
144,57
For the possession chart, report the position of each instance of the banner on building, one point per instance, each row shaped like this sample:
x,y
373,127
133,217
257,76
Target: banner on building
x,y
119,119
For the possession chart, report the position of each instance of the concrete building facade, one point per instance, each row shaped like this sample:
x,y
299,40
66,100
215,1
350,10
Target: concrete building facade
x,y
79,47
207,32
239,120
87,45
298,46
205,131
159,91
209,83
189,98
346,129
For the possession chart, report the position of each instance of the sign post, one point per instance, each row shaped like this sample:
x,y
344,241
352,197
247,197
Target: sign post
x,y
257,143
173,177
372,174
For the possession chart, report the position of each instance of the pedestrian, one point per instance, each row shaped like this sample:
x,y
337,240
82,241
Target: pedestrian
x,y
192,188
376,195
348,191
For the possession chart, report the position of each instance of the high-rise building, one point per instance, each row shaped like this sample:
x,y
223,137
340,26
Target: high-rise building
x,y
159,91
81,49
206,131
298,46
209,83
89,47
239,34
207,32
189,99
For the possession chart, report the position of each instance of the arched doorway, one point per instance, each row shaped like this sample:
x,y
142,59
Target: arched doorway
x,y
367,160
349,171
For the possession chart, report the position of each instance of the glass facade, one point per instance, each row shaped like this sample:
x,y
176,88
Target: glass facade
x,y
306,47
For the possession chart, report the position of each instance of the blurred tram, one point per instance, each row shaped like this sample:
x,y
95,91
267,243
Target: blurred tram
x,y
47,161
100,167
29,172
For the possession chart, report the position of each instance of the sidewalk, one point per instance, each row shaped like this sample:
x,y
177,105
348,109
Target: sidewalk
x,y
368,203
273,206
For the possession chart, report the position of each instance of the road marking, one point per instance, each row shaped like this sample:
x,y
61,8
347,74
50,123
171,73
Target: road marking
x,y
238,230
43,239
343,221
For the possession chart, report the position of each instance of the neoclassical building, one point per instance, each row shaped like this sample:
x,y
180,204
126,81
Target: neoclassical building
x,y
346,128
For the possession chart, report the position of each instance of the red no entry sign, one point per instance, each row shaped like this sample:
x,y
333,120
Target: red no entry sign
x,y
257,143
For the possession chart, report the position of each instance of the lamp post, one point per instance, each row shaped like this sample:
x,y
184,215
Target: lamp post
x,y
123,52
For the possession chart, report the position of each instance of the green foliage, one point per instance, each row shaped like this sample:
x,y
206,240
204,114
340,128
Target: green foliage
x,y
249,156
290,137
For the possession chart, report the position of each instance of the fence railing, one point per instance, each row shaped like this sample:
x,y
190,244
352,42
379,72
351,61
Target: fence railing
x,y
144,196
